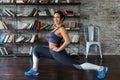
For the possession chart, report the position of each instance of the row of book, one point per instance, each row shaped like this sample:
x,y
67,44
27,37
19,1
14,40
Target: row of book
x,y
7,38
75,39
31,12
10,38
8,12
3,51
40,1
27,40
18,1
39,12
35,25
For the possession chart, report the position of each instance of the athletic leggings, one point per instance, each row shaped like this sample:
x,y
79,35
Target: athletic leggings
x,y
61,57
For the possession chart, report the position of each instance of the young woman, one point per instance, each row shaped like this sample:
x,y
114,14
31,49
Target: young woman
x,y
56,50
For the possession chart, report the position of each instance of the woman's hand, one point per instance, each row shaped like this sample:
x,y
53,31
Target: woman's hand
x,y
56,49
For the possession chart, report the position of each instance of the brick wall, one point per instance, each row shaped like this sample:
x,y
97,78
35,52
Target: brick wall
x,y
106,15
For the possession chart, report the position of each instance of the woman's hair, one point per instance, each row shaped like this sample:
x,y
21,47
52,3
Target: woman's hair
x,y
62,15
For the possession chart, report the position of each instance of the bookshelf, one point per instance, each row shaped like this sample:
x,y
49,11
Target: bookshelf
x,y
29,22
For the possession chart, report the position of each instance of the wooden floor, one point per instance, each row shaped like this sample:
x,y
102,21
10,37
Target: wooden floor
x,y
13,68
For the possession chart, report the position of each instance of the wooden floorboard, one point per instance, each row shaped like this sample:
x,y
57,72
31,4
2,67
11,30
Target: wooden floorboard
x,y
13,68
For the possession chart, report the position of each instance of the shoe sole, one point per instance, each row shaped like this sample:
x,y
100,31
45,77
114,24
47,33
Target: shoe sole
x,y
31,74
105,72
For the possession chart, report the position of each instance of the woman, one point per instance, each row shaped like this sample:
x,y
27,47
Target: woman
x,y
56,50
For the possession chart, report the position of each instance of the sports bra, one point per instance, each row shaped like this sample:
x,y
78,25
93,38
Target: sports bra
x,y
52,37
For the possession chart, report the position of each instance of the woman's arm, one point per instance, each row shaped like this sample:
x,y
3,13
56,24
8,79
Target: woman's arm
x,y
66,39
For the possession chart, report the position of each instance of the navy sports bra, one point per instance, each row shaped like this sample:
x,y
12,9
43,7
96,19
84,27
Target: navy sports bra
x,y
54,38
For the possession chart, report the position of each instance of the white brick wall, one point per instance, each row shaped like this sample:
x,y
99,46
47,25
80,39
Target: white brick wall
x,y
106,15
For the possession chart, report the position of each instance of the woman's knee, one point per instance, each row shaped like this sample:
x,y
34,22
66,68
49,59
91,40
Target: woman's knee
x,y
36,51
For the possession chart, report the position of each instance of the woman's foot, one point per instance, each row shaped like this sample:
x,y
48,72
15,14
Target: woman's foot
x,y
31,72
102,73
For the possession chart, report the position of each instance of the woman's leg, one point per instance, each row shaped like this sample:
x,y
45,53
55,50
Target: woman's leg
x,y
64,58
36,53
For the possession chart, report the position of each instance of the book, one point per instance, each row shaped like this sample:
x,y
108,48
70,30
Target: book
x,y
34,25
75,38
2,51
6,38
22,25
4,25
44,26
19,39
33,38
48,27
32,12
30,26
72,24
69,12
43,1
68,1
6,12
11,38
42,12
5,50
35,13
1,25
56,1
48,12
9,12
19,1
52,11
38,25
52,1
2,37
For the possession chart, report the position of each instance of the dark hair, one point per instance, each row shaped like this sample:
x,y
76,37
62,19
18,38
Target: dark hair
x,y
62,15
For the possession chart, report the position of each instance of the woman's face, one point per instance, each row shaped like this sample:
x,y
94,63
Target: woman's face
x,y
57,19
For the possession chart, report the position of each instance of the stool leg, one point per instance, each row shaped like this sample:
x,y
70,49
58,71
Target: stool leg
x,y
87,49
100,51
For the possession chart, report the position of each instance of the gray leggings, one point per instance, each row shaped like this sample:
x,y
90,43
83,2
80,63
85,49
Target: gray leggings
x,y
61,56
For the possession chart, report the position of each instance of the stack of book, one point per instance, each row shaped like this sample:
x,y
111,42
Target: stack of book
x,y
20,39
65,1
7,38
43,1
3,25
46,12
3,51
6,1
69,12
8,12
24,39
72,24
26,1
75,38
36,25
31,12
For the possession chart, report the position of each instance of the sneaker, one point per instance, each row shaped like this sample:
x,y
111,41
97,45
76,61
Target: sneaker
x,y
31,72
101,74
